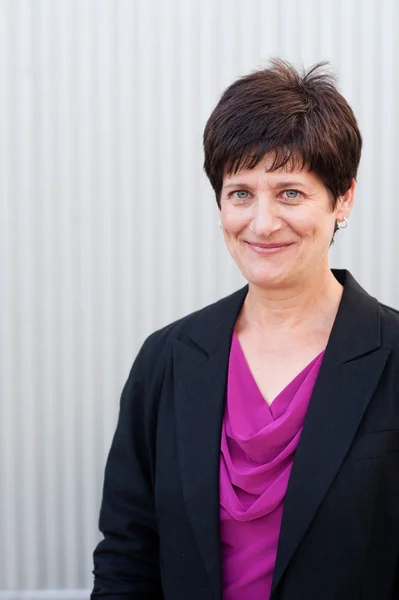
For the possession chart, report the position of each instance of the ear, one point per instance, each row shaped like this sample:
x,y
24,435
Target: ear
x,y
344,204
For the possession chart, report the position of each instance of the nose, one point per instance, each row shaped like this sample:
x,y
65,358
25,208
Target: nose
x,y
264,219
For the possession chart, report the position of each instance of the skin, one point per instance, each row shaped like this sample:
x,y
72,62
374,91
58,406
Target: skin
x,y
278,228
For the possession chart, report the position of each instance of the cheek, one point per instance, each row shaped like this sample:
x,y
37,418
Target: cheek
x,y
302,223
233,221
312,224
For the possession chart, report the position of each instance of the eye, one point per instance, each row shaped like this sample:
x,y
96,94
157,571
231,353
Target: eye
x,y
291,194
242,194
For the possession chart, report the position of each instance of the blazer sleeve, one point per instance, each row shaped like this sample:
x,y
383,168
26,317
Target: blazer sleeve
x,y
126,561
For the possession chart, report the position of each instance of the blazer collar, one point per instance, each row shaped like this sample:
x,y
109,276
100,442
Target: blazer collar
x,y
212,327
356,329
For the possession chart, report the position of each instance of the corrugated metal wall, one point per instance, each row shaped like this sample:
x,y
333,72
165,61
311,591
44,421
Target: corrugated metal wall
x,y
109,228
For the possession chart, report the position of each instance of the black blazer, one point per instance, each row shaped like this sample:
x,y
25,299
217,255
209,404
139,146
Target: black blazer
x,y
339,538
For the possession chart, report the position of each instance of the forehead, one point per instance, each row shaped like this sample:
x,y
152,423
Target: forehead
x,y
292,172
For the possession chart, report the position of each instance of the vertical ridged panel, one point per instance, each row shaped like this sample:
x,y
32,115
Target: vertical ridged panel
x,y
109,227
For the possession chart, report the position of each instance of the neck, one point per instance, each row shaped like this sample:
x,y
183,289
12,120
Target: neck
x,y
316,299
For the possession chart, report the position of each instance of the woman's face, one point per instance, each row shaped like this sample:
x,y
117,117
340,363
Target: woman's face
x,y
278,225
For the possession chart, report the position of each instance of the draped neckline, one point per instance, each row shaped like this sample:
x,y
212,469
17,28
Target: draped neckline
x,y
280,402
258,440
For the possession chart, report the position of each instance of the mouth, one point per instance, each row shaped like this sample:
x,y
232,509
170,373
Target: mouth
x,y
268,248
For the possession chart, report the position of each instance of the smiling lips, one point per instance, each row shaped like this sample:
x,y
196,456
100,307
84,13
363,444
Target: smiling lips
x,y
267,248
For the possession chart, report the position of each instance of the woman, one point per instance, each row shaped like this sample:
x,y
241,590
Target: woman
x,y
257,449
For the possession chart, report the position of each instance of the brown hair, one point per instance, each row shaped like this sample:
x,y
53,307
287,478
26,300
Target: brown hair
x,y
300,119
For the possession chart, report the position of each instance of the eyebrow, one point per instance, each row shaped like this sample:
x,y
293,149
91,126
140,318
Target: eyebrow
x,y
278,184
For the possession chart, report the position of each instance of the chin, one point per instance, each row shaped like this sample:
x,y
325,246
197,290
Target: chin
x,y
267,278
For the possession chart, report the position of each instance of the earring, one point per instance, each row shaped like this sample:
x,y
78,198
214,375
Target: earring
x,y
220,224
342,224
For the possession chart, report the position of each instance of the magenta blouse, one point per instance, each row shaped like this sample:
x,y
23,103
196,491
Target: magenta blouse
x,y
257,452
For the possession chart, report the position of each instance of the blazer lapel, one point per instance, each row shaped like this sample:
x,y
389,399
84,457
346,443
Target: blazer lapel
x,y
200,374
351,369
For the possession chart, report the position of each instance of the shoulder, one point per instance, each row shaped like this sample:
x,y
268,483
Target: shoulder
x,y
365,316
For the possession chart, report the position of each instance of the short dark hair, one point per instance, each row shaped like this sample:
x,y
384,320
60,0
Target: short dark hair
x,y
298,118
